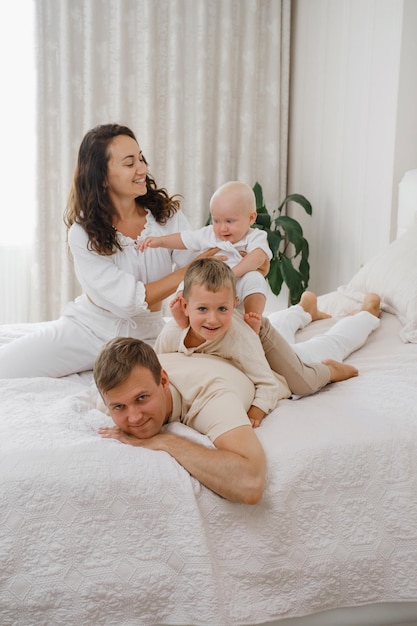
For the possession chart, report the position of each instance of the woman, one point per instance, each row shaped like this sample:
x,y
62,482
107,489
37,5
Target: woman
x,y
113,203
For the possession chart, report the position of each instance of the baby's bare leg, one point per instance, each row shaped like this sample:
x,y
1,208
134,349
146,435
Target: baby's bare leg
x,y
254,305
309,303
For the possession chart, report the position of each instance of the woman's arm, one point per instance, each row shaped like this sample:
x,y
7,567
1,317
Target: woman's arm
x,y
115,289
164,287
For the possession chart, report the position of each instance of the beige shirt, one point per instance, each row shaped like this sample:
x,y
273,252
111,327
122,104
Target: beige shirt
x,y
242,347
209,394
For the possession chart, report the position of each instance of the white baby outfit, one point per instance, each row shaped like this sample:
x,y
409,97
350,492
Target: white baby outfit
x,y
204,238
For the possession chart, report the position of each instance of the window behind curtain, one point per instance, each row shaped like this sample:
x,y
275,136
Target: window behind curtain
x,y
17,157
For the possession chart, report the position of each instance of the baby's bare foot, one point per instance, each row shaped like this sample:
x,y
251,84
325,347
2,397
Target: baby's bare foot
x,y
340,371
309,303
253,320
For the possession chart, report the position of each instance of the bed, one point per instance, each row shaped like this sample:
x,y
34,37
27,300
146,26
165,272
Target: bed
x,y
96,532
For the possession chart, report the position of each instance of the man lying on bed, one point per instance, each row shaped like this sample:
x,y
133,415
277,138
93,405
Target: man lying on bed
x,y
200,390
141,398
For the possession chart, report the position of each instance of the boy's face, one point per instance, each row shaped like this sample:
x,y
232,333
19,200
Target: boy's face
x,y
139,406
231,221
210,313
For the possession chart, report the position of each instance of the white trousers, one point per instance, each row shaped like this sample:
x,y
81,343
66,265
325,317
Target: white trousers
x,y
344,337
250,283
71,343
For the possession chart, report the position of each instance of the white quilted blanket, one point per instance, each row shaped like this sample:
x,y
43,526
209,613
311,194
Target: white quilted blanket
x,y
96,532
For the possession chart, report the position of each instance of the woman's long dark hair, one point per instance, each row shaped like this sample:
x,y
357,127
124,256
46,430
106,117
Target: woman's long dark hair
x,y
89,204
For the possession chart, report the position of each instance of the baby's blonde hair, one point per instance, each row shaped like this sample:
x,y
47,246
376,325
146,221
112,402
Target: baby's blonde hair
x,y
211,274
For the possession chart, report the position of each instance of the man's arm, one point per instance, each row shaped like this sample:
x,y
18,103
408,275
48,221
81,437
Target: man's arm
x,y
235,469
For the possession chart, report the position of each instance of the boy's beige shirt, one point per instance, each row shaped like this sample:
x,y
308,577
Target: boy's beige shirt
x,y
240,345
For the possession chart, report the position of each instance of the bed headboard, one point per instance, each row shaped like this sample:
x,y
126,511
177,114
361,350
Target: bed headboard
x,y
407,201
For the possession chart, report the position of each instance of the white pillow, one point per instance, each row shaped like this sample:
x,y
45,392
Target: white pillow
x,y
392,274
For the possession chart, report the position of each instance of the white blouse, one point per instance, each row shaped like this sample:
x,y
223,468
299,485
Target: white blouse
x,y
117,282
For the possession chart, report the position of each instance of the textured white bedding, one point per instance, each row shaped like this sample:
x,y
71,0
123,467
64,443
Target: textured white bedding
x,y
96,532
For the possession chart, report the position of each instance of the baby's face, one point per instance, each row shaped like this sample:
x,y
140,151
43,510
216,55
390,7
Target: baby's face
x,y
231,221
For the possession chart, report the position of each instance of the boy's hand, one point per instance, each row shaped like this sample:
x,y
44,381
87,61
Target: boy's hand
x,y
177,311
256,416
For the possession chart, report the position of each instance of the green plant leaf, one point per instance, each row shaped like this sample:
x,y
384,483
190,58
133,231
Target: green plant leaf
x,y
259,196
304,266
289,265
292,278
274,241
274,276
299,199
293,231
263,220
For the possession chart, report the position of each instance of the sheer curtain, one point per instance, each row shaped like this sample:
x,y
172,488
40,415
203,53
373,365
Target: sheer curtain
x,y
203,83
17,158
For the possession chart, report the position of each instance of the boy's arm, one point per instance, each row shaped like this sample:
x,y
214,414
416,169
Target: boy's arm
x,y
174,242
250,262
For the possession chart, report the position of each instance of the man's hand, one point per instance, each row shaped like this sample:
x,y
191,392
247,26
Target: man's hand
x,y
114,432
152,443
235,469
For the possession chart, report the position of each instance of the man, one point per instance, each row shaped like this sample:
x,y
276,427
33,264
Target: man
x,y
141,398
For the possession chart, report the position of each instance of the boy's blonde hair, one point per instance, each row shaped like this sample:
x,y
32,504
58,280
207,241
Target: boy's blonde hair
x,y
211,273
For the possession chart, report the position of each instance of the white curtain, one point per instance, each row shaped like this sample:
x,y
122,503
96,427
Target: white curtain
x,y
203,83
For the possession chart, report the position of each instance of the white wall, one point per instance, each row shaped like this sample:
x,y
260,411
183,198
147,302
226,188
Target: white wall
x,y
353,125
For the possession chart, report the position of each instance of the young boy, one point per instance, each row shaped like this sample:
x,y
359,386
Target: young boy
x,y
208,302
233,211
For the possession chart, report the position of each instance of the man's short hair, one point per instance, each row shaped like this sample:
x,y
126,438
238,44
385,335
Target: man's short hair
x,y
211,273
117,359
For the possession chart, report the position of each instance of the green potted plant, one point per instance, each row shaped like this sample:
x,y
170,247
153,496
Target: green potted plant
x,y
290,250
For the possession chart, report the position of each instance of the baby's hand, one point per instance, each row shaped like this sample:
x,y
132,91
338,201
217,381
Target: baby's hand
x,y
148,242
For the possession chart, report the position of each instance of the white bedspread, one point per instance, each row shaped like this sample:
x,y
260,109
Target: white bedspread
x,y
96,532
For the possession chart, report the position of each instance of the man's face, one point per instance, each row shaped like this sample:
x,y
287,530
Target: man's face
x,y
139,406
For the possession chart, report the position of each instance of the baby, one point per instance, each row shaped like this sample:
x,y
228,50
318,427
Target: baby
x,y
233,211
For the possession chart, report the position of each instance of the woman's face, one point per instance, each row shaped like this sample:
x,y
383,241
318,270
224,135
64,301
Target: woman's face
x,y
126,169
